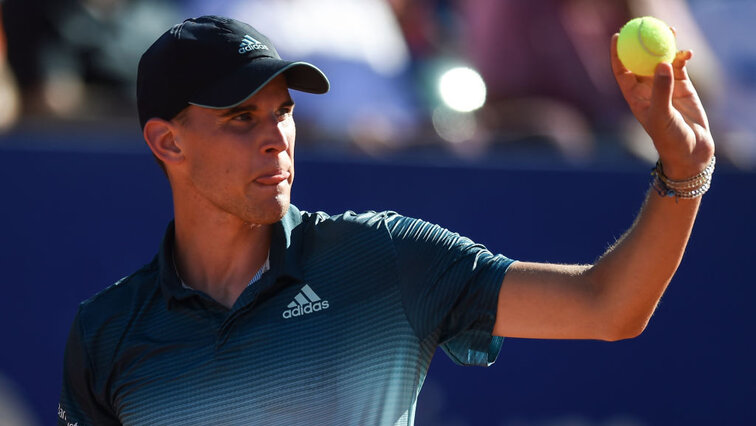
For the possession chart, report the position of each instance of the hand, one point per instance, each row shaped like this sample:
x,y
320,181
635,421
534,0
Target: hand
x,y
668,107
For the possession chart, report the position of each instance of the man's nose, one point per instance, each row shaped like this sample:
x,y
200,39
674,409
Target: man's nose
x,y
276,138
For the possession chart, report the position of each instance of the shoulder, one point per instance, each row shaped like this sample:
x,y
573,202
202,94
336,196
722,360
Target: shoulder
x,y
112,308
348,232
349,221
389,224
104,323
367,218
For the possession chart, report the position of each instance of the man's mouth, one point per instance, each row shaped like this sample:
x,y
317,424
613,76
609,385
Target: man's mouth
x,y
273,178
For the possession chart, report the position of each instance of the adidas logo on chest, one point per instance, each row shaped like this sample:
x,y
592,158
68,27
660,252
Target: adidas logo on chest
x,y
305,302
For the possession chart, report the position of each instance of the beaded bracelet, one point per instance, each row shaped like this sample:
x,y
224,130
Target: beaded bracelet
x,y
689,188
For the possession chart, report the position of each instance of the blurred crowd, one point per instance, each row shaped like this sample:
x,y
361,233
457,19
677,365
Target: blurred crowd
x,y
548,85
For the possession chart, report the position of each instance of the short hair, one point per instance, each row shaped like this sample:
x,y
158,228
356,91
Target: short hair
x,y
182,117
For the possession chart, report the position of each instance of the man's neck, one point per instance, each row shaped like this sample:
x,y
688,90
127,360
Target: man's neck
x,y
219,257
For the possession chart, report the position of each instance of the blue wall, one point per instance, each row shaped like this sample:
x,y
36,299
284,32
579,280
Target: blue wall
x,y
73,223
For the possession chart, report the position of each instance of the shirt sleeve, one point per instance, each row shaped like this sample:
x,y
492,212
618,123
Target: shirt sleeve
x,y
79,403
449,286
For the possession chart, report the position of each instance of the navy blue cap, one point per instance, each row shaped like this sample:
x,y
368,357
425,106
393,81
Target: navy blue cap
x,y
213,62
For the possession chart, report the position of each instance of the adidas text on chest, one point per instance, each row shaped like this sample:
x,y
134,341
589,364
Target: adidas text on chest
x,y
305,302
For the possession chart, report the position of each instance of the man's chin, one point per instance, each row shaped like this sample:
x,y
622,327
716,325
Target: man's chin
x,y
282,212
269,214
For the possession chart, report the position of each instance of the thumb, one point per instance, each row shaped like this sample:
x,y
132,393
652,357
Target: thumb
x,y
661,94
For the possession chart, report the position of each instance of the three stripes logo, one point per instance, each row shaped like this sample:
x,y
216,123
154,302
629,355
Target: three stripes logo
x,y
305,302
249,44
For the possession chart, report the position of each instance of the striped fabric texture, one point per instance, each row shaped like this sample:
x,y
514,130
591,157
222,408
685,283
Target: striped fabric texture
x,y
340,330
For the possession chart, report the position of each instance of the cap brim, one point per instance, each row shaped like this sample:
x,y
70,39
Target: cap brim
x,y
250,78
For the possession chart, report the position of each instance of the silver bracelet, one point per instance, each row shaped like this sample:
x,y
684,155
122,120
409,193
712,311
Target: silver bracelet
x,y
689,188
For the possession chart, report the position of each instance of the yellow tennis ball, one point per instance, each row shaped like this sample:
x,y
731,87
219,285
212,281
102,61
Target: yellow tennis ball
x,y
645,42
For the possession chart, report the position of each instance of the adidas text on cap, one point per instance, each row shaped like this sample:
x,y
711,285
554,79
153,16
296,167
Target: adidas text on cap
x,y
213,62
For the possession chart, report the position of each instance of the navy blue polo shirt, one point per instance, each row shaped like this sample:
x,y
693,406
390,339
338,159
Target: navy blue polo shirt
x,y
340,330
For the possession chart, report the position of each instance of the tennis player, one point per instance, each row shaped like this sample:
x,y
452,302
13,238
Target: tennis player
x,y
255,312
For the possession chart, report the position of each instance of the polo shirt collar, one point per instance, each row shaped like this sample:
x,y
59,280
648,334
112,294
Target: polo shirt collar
x,y
286,245
285,252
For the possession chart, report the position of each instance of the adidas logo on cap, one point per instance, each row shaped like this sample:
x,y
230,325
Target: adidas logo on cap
x,y
249,44
305,302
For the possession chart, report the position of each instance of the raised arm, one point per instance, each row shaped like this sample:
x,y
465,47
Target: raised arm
x,y
615,298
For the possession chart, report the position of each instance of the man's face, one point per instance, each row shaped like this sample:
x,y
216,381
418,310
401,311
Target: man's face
x,y
240,160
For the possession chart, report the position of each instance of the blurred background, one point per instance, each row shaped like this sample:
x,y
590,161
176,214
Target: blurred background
x,y
474,114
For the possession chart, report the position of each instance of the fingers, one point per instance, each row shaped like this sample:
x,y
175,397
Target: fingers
x,y
661,93
625,79
678,64
681,58
617,66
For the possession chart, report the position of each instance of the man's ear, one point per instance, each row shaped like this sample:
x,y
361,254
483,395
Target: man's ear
x,y
160,137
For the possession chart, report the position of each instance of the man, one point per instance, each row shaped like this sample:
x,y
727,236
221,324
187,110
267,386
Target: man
x,y
254,312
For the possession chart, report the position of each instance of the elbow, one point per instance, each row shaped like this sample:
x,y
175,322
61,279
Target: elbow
x,y
620,316
623,330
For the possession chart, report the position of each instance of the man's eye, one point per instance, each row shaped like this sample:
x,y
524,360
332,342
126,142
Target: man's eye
x,y
243,117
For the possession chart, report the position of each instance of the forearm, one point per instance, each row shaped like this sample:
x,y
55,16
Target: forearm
x,y
615,298
610,300
632,275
